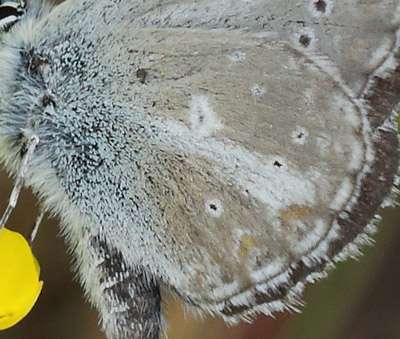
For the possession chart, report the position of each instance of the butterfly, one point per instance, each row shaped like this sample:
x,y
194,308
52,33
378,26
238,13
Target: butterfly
x,y
229,152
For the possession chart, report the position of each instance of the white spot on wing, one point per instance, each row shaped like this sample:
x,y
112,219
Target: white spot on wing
x,y
299,135
202,118
320,8
214,207
258,91
305,38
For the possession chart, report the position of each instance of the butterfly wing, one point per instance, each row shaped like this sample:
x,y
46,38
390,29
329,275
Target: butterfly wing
x,y
355,35
256,150
231,167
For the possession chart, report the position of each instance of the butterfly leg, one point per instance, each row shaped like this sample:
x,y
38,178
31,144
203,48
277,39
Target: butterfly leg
x,y
19,182
36,225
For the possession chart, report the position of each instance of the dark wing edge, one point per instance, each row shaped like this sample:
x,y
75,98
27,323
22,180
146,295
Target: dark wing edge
x,y
378,188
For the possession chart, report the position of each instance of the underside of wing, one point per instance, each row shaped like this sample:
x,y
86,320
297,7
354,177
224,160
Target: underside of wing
x,y
252,165
358,36
258,151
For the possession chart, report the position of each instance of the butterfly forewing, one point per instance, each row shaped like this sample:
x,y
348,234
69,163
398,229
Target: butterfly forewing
x,y
355,35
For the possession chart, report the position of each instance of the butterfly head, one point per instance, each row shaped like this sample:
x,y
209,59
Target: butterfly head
x,y
10,13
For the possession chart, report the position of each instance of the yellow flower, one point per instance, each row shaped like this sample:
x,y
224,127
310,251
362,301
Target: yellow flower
x,y
19,278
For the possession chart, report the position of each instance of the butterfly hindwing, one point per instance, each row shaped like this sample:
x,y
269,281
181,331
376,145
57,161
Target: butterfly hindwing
x,y
255,149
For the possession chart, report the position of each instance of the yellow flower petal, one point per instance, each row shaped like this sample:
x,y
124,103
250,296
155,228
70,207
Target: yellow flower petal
x,y
19,278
